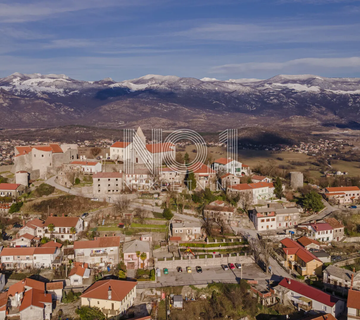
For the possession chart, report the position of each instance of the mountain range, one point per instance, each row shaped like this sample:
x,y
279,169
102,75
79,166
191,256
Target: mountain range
x,y
168,102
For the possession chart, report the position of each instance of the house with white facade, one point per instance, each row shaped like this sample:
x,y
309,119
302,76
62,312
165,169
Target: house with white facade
x,y
343,195
34,227
320,231
33,257
228,165
64,228
12,190
112,297
204,175
120,150
79,272
24,240
55,289
141,179
307,298
256,192
272,218
100,252
27,299
257,178
86,167
353,304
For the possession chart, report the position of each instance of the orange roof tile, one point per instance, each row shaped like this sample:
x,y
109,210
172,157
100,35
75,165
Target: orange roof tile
x,y
200,168
223,161
101,242
55,285
305,241
35,298
26,236
65,222
160,147
35,223
336,224
251,186
9,186
19,286
339,189
302,253
51,244
84,163
78,270
108,175
119,289
353,300
255,177
120,144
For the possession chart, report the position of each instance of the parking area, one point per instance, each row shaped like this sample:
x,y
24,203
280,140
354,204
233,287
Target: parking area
x,y
211,274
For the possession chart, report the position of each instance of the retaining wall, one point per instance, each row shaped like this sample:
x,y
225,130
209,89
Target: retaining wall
x,y
205,262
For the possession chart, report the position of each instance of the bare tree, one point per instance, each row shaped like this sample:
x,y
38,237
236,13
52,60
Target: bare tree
x,y
95,151
140,214
121,204
245,200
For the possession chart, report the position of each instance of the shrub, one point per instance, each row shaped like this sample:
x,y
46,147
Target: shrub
x,y
44,190
77,181
167,214
90,313
15,207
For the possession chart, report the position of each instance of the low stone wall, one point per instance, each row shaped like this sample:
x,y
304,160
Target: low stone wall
x,y
206,262
352,239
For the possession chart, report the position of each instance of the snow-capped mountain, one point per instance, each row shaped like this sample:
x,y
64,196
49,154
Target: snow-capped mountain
x,y
185,101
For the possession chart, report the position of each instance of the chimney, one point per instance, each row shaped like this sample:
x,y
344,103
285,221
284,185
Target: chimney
x,y
109,293
289,281
63,214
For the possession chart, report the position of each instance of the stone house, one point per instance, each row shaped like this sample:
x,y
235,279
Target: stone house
x,y
338,228
12,190
107,183
187,230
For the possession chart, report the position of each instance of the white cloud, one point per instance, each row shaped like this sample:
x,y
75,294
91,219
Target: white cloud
x,y
305,65
285,31
38,10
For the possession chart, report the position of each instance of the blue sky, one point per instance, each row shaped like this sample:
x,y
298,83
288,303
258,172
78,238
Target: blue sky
x,y
223,39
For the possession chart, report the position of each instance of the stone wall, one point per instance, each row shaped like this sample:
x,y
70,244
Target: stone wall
x,y
206,262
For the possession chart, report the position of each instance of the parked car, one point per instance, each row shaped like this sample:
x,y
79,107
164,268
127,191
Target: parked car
x,y
179,269
121,225
238,265
84,215
231,266
166,271
353,207
198,269
225,267
188,269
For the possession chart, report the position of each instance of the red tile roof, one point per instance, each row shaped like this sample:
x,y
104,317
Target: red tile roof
x,y
35,298
26,236
78,270
101,242
51,244
353,300
309,292
305,241
200,168
9,186
119,289
54,285
64,222
35,223
322,226
120,144
336,224
52,147
19,286
255,177
301,252
85,163
251,186
26,251
223,161
342,189
160,147
108,175
327,316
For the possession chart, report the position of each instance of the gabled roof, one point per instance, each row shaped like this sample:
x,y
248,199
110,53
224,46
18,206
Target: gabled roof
x,y
342,189
51,244
255,177
120,144
20,286
305,241
223,161
84,163
353,300
35,298
322,226
64,222
308,291
26,251
336,224
252,186
108,175
26,236
297,249
100,242
219,208
160,147
35,223
200,168
327,316
99,290
77,270
9,186
54,285
52,147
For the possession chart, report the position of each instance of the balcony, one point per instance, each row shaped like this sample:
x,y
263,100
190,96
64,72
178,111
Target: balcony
x,y
98,254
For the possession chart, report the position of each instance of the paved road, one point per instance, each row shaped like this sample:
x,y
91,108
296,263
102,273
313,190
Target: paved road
x,y
209,275
51,182
326,212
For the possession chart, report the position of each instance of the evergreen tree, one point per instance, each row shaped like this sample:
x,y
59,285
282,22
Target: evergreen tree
x,y
191,181
313,201
278,188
